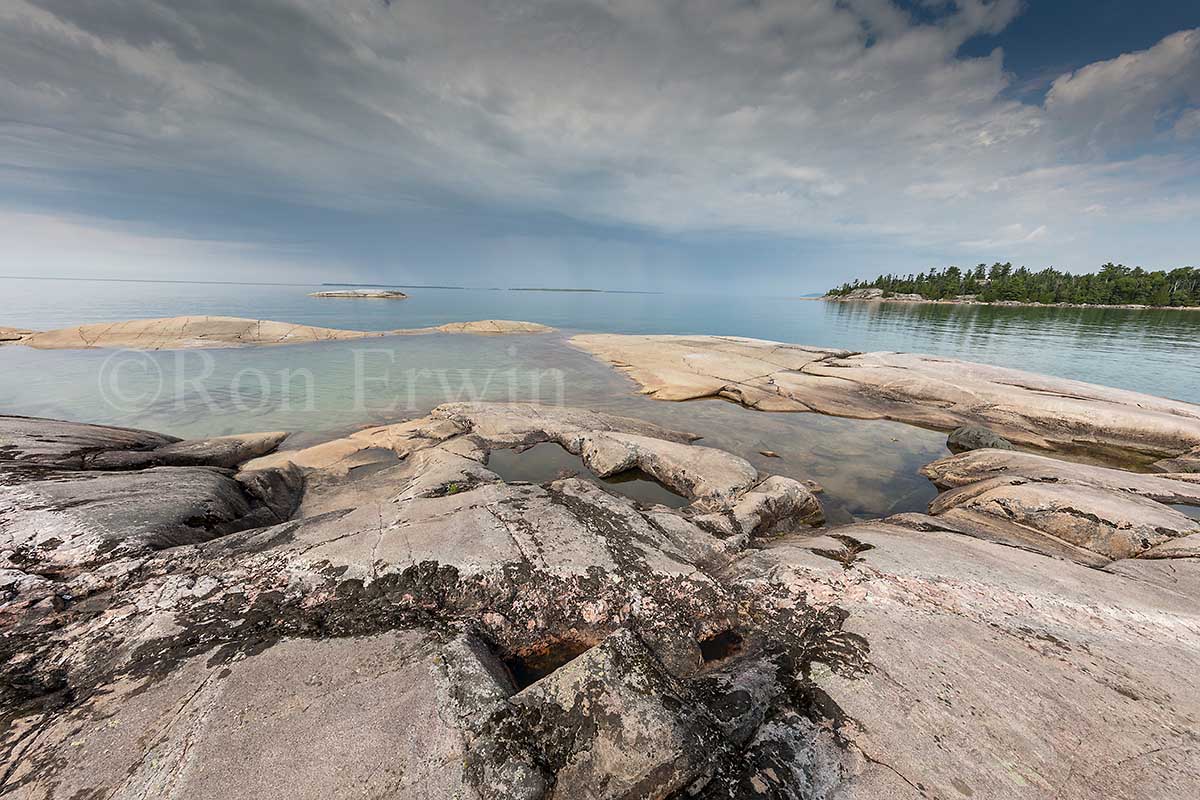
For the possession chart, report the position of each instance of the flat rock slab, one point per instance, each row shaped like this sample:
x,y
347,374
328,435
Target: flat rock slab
x,y
1023,407
13,334
194,332
79,518
34,440
1078,511
979,465
1001,673
379,294
336,718
218,451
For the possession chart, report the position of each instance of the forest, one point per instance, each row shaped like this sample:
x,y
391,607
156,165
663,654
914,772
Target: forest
x,y
1113,284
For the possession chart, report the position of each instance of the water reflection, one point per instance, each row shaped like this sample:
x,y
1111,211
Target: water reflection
x,y
548,462
1152,351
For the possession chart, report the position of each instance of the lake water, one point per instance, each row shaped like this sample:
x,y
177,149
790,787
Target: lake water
x,y
868,468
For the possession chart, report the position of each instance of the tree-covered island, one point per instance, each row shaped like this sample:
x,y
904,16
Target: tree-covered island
x,y
1112,285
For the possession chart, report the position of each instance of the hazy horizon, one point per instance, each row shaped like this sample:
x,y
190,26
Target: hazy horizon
x,y
768,147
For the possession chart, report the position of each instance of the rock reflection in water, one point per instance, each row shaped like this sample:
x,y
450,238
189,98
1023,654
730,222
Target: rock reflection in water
x,y
548,461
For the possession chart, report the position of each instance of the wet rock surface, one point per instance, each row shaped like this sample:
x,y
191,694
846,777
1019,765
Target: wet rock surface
x,y
408,624
942,393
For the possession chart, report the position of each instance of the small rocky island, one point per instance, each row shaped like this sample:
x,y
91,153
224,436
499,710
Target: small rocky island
x,y
178,333
382,615
378,294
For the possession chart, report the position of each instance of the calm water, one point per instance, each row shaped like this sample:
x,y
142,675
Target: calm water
x,y
1157,352
868,468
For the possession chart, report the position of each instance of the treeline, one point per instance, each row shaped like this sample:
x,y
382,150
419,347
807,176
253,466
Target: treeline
x,y
1114,284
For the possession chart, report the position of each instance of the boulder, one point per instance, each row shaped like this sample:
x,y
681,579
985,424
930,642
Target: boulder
x,y
978,465
1111,524
611,724
712,478
776,505
973,437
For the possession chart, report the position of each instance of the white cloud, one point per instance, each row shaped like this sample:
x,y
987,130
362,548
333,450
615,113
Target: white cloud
x,y
836,120
1188,125
1010,236
1122,101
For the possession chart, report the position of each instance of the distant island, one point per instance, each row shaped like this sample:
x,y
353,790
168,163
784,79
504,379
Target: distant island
x,y
393,286
377,294
1114,285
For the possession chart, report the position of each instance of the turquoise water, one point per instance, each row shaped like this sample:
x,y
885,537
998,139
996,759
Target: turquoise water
x,y
1157,352
867,468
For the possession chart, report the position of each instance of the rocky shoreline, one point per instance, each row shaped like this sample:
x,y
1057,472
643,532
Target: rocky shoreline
x,y
878,296
174,333
382,615
1048,413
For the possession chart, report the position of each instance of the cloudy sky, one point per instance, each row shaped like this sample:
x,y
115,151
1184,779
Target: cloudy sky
x,y
724,145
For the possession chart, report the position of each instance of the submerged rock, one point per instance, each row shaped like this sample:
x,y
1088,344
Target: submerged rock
x,y
943,393
973,437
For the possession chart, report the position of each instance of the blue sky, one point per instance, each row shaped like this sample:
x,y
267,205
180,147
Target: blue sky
x,y
714,145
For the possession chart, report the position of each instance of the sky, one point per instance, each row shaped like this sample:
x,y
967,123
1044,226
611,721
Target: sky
x,y
740,146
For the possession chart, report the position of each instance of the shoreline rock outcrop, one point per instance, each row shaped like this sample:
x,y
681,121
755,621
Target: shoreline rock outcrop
x,y
1025,408
1088,513
409,624
172,333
